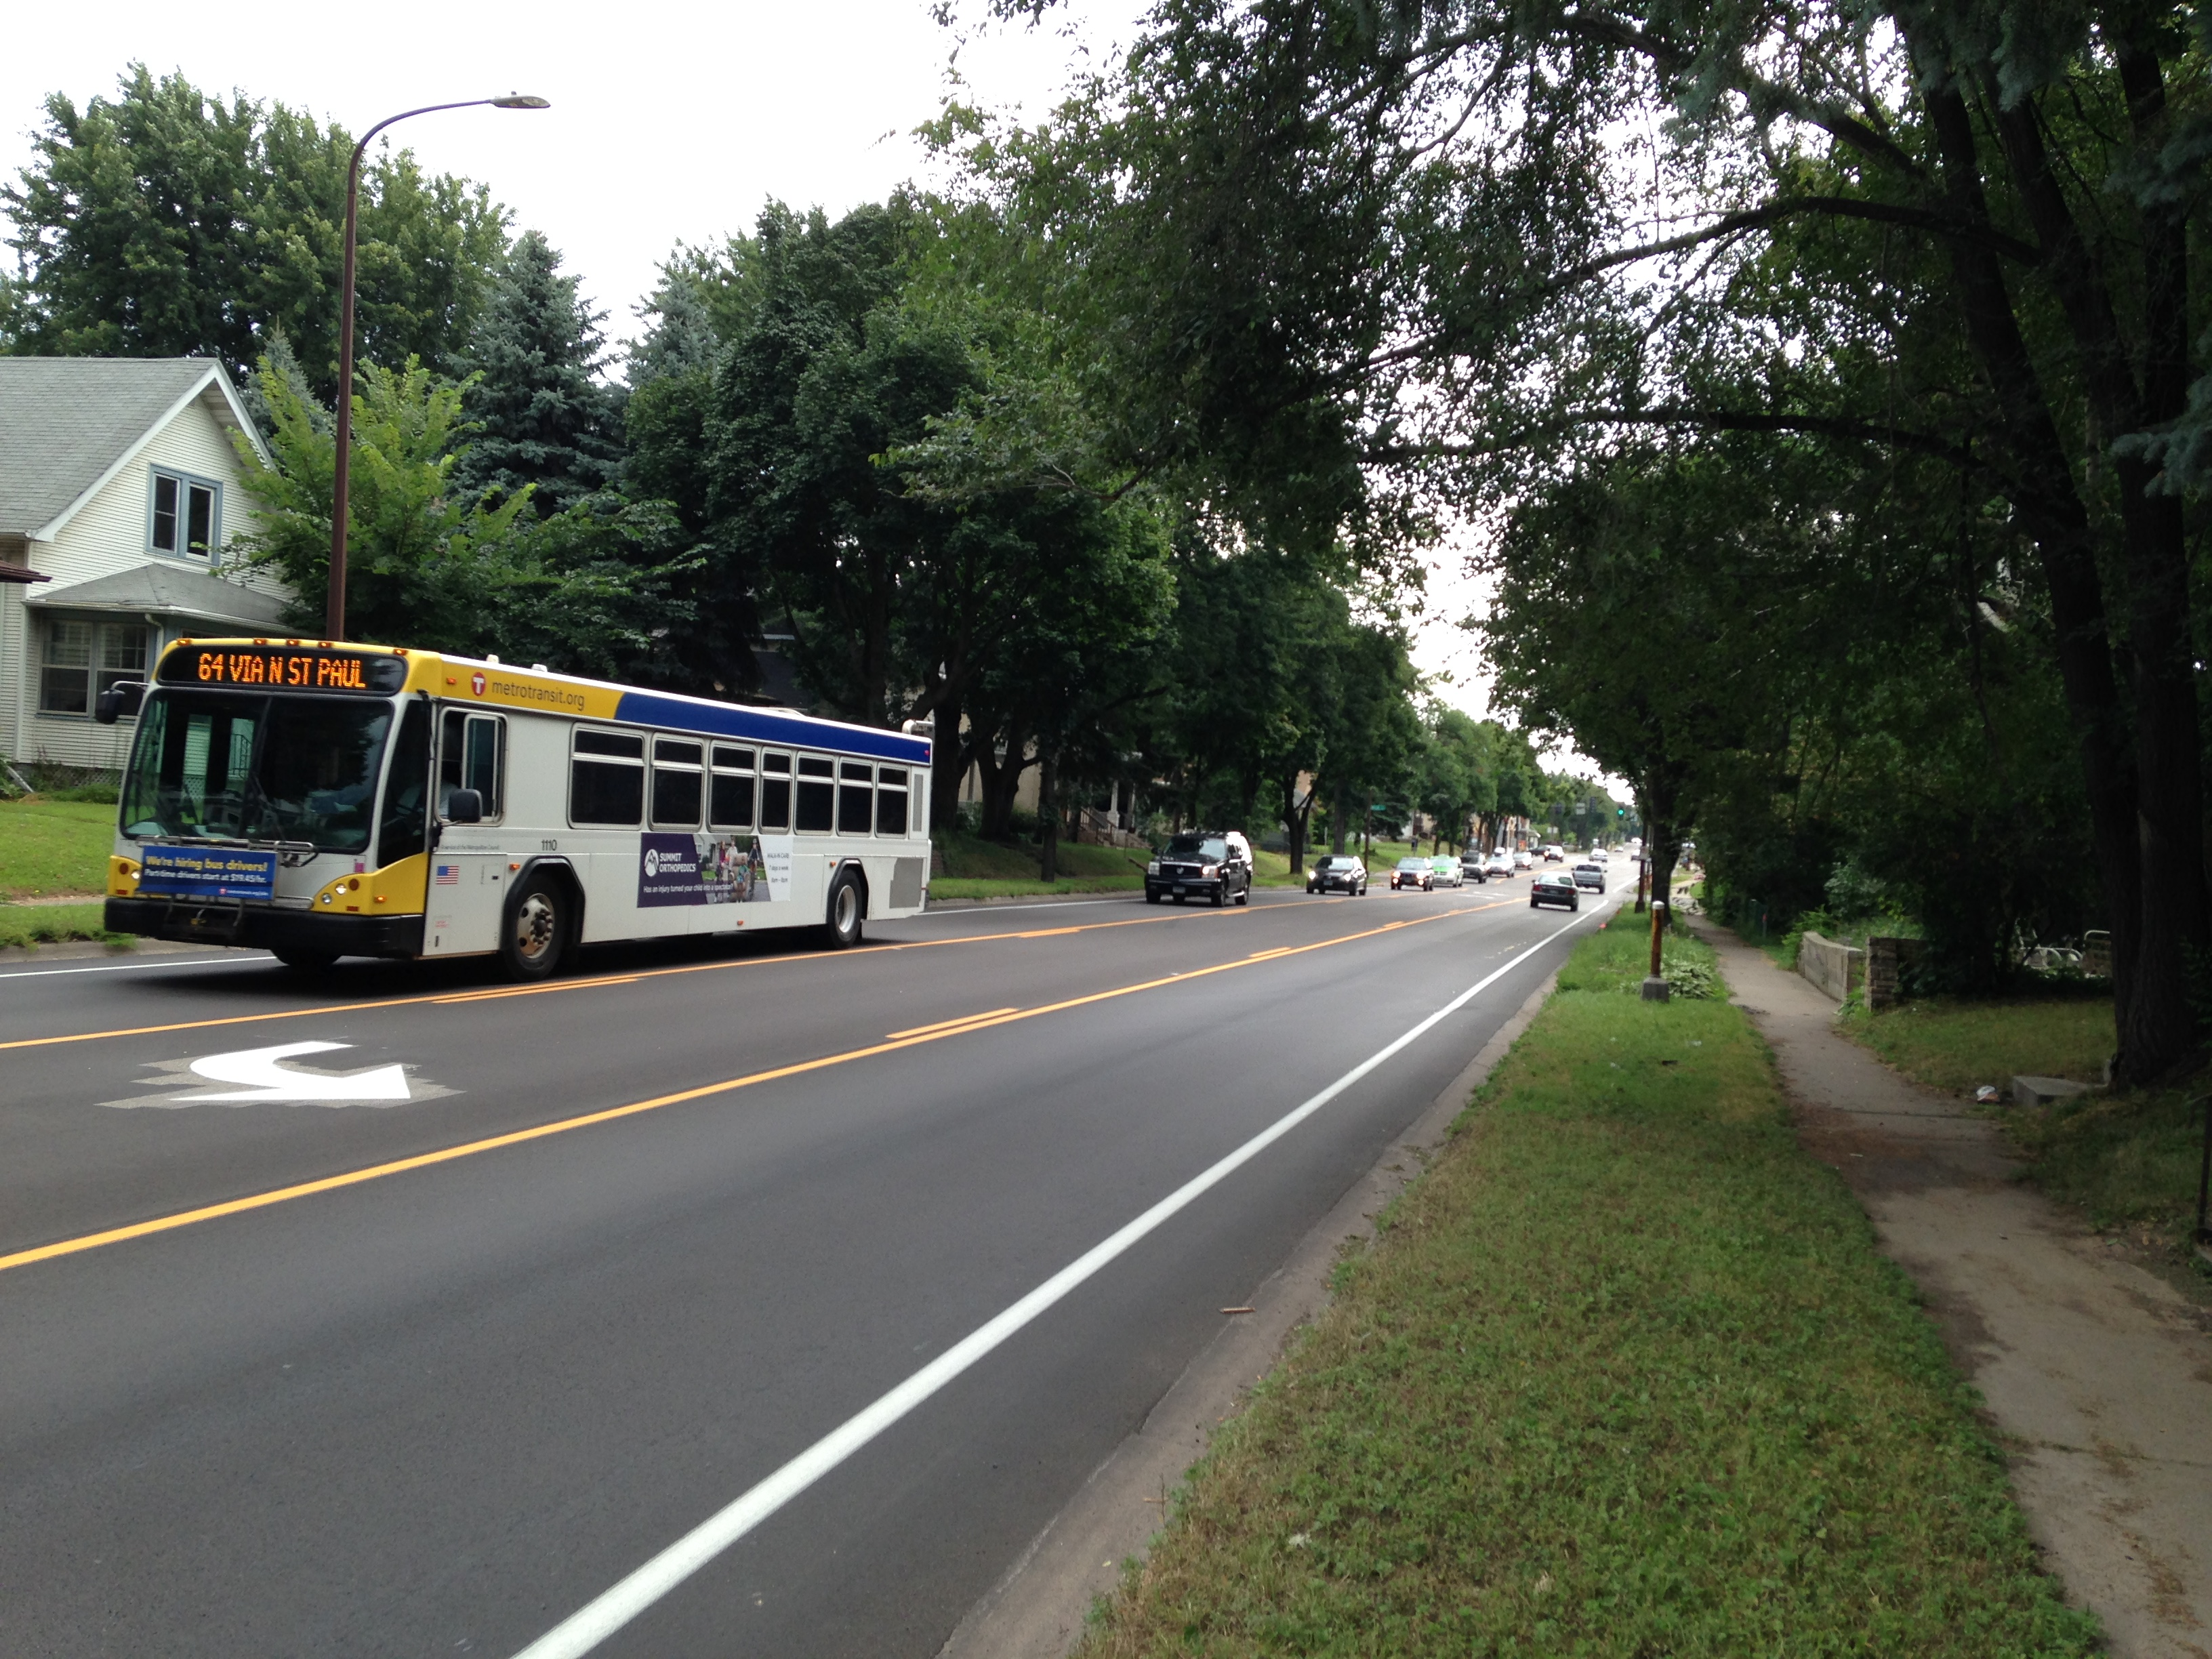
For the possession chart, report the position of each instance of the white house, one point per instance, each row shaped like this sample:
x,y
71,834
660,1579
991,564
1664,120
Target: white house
x,y
119,499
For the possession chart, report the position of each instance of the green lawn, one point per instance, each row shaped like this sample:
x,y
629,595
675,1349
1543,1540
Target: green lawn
x,y
985,869
1623,1375
50,848
1956,1044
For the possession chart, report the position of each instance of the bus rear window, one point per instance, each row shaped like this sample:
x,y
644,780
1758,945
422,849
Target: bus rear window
x,y
890,801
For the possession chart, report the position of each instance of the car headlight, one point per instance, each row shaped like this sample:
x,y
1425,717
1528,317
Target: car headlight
x,y
1209,871
1154,868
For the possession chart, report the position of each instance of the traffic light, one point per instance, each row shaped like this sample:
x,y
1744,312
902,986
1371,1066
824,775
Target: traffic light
x,y
1620,812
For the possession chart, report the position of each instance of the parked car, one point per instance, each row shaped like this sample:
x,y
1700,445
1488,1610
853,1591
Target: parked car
x,y
1591,875
1554,887
1474,867
1501,864
1339,872
1209,863
1448,871
1412,873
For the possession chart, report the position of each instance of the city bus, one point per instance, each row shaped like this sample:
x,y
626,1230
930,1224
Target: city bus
x,y
321,801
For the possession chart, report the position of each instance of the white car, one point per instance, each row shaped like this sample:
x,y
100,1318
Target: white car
x,y
1522,861
1501,867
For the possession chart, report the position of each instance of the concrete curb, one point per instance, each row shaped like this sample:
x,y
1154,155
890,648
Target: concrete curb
x,y
1037,1610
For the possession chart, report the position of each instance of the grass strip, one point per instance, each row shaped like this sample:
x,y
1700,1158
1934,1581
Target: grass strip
x,y
45,924
1623,1374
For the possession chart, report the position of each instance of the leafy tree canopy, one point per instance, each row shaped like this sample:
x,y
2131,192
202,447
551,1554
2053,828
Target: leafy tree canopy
x,y
165,223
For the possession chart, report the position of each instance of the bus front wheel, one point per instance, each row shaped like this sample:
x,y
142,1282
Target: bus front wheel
x,y
843,928
536,933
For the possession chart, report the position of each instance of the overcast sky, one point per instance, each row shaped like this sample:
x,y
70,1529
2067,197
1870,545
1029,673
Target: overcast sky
x,y
671,122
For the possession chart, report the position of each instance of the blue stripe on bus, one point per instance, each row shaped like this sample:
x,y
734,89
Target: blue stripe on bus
x,y
759,725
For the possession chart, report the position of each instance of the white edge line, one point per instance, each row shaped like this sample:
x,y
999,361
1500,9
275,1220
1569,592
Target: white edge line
x,y
259,958
601,1618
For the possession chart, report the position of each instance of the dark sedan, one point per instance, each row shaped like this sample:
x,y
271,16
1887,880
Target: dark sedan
x,y
1554,887
1339,872
1413,873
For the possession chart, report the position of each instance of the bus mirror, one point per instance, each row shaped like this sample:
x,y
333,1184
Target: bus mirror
x,y
119,699
464,807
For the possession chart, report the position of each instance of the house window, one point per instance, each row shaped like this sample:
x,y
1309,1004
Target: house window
x,y
186,515
83,659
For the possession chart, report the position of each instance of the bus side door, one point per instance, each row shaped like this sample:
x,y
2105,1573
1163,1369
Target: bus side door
x,y
469,875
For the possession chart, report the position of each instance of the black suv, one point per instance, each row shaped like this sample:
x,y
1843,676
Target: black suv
x,y
1201,864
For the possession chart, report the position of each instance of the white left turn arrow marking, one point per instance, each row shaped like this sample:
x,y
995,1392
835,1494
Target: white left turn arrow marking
x,y
265,1080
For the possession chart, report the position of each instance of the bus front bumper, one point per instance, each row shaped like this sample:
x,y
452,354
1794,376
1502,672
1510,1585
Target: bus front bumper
x,y
264,927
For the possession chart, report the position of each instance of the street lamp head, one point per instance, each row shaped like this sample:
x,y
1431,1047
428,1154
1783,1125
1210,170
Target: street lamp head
x,y
521,100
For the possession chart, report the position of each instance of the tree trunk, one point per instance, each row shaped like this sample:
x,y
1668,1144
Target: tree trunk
x,y
2038,481
1339,821
947,766
1296,814
1049,816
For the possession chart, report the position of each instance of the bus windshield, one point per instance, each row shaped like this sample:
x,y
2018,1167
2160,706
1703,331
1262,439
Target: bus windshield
x,y
227,766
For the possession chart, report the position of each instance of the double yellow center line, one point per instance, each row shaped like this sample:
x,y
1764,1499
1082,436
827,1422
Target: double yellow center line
x,y
909,1039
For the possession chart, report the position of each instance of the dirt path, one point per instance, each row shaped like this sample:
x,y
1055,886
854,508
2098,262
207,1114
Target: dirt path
x,y
2096,1375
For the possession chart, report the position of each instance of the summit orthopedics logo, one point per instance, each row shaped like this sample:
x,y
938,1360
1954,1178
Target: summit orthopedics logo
x,y
652,861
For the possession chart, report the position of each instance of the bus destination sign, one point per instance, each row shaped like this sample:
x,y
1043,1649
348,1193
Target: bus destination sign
x,y
282,668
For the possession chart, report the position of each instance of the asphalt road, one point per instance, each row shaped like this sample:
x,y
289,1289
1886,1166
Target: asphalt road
x,y
441,1407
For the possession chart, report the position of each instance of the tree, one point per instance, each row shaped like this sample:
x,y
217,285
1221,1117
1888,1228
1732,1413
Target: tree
x,y
434,566
1965,234
163,222
542,418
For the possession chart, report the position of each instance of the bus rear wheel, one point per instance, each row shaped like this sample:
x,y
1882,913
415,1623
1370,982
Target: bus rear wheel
x,y
536,936
845,922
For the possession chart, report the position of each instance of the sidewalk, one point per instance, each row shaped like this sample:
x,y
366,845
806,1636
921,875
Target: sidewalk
x,y
2096,1375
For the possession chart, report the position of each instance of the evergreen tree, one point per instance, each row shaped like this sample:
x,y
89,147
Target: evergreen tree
x,y
542,416
679,336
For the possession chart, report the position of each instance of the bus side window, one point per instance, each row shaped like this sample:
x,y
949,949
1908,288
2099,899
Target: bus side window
x,y
472,755
776,791
730,798
606,779
854,809
402,828
817,803
890,801
677,763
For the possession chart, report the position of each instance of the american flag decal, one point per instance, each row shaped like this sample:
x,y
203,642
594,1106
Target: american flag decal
x,y
449,875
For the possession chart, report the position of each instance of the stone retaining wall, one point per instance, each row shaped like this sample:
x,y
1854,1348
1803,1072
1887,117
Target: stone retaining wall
x,y
1885,958
1837,970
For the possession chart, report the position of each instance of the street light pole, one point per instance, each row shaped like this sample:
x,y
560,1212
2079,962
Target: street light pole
x,y
334,603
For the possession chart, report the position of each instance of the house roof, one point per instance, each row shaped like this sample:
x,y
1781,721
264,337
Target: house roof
x,y
167,590
69,424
